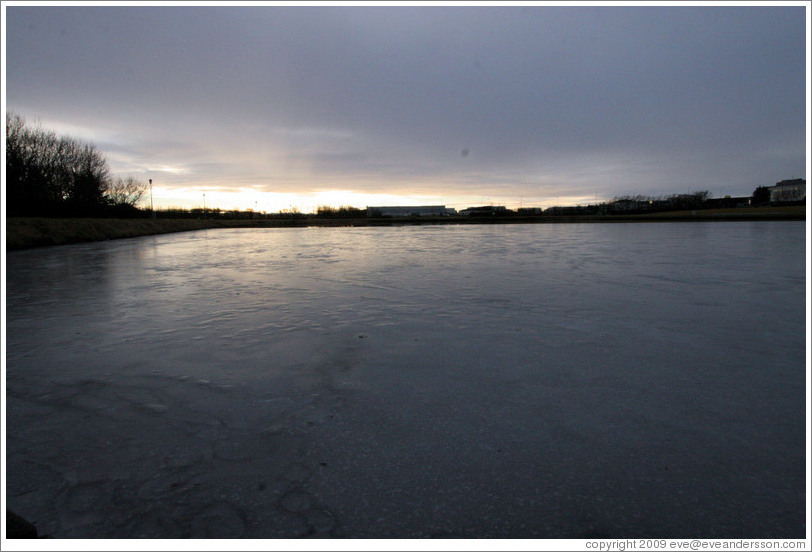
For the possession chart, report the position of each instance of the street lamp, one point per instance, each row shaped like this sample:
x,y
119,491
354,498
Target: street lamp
x,y
151,207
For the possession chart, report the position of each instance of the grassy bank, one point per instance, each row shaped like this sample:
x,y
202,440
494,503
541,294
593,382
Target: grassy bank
x,y
791,212
23,233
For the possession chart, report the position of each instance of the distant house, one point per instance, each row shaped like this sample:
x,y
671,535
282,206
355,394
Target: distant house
x,y
788,191
410,211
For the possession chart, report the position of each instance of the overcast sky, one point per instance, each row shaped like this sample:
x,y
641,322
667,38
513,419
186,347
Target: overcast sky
x,y
462,105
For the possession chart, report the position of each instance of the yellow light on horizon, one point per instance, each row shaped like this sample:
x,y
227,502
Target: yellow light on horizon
x,y
168,169
275,202
252,199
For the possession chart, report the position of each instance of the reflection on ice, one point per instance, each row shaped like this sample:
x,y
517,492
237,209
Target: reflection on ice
x,y
494,381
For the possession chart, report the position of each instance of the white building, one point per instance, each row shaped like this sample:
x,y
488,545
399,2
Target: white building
x,y
788,191
410,211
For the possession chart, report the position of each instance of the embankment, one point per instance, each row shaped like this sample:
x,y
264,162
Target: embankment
x,y
23,233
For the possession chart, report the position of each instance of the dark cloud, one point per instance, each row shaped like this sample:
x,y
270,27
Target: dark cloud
x,y
605,99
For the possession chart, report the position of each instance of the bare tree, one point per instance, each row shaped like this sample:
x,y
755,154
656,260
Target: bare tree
x,y
126,191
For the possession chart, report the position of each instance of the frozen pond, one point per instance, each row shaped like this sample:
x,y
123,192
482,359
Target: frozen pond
x,y
537,381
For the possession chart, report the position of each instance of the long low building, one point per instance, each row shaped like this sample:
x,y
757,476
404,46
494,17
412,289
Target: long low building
x,y
410,211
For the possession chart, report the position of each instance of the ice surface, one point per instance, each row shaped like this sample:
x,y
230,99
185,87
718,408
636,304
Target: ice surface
x,y
537,381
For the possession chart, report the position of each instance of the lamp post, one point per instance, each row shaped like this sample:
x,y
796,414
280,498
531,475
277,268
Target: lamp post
x,y
151,207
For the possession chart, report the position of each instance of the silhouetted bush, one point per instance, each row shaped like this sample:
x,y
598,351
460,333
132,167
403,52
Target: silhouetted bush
x,y
342,212
761,196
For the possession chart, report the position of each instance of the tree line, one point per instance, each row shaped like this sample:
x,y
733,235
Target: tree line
x,y
51,175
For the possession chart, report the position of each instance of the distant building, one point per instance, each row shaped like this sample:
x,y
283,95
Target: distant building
x,y
727,202
788,191
629,205
530,210
576,210
488,211
410,211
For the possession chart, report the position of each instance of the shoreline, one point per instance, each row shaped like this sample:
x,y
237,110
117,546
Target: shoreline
x,y
27,233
